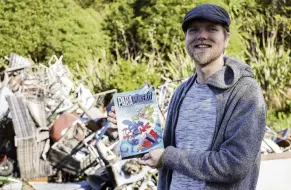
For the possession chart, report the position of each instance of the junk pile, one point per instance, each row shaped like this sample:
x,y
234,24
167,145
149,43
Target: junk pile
x,y
276,142
48,127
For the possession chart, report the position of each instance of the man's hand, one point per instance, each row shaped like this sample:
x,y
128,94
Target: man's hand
x,y
112,118
153,158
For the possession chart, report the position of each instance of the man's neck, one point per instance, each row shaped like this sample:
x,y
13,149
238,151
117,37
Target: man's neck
x,y
206,71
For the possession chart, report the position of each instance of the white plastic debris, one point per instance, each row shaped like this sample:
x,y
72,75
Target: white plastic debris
x,y
4,92
84,97
269,146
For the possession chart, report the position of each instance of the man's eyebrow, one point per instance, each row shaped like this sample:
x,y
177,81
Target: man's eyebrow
x,y
192,25
212,25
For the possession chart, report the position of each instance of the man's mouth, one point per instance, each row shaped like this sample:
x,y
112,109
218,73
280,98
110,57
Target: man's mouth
x,y
202,46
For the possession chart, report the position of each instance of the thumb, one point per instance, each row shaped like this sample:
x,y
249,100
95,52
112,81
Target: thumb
x,y
146,156
141,161
145,162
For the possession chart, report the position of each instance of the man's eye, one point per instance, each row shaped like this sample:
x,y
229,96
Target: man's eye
x,y
212,29
191,30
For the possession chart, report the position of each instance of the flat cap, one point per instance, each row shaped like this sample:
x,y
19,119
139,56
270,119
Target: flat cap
x,y
209,12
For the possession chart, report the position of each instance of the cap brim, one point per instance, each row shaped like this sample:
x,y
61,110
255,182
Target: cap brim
x,y
188,21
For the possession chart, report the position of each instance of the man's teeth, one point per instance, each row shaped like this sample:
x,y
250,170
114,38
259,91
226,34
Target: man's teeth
x,y
202,46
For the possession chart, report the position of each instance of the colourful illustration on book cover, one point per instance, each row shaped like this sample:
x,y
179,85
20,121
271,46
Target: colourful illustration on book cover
x,y
138,122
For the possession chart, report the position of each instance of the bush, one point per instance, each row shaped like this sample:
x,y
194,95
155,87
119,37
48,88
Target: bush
x,y
39,29
131,75
279,120
122,74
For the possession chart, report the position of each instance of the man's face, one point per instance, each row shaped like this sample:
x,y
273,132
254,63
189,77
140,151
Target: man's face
x,y
205,41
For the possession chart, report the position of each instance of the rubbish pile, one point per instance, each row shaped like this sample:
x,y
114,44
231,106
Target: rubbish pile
x,y
49,127
276,142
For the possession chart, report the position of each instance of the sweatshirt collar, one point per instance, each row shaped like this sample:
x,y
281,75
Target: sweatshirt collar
x,y
227,76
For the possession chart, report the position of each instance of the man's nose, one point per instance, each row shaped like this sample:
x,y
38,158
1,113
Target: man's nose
x,y
202,35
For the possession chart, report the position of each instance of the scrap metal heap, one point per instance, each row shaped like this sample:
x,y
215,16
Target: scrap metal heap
x,y
48,125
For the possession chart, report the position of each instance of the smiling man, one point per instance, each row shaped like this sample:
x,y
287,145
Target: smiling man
x,y
216,119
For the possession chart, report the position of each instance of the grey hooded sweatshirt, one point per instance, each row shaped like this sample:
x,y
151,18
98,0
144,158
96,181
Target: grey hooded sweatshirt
x,y
233,160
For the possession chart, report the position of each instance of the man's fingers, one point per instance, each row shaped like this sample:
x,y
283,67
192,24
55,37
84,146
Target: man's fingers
x,y
148,162
112,115
146,156
113,126
113,123
140,161
143,162
112,120
113,109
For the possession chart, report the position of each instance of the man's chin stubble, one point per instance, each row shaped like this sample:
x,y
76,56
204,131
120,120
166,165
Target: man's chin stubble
x,y
199,59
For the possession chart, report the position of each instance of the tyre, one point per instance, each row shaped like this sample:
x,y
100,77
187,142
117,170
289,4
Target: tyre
x,y
6,168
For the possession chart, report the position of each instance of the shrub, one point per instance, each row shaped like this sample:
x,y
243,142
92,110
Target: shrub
x,y
39,29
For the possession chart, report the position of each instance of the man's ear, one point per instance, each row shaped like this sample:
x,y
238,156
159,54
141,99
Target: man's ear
x,y
227,37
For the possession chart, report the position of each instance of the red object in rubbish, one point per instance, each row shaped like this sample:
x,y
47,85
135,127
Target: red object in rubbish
x,y
4,158
61,125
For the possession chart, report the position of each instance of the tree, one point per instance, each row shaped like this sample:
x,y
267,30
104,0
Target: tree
x,y
41,28
143,26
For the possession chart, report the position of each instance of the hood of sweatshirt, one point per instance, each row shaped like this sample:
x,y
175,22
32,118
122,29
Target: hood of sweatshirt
x,y
232,71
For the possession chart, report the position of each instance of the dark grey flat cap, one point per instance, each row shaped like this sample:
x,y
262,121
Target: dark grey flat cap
x,y
210,12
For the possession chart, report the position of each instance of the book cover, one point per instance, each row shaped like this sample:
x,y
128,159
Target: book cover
x,y
138,122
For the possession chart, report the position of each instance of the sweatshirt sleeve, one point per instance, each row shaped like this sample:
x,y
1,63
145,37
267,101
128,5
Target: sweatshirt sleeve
x,y
242,141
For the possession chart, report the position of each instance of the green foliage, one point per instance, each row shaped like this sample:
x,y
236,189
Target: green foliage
x,y
124,43
131,75
260,36
174,69
117,24
272,69
159,25
96,75
279,120
266,51
40,28
123,74
140,26
3,64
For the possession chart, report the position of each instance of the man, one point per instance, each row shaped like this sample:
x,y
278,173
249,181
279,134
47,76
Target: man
x,y
216,119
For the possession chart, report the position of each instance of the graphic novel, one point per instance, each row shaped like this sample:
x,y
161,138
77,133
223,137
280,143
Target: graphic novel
x,y
138,122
